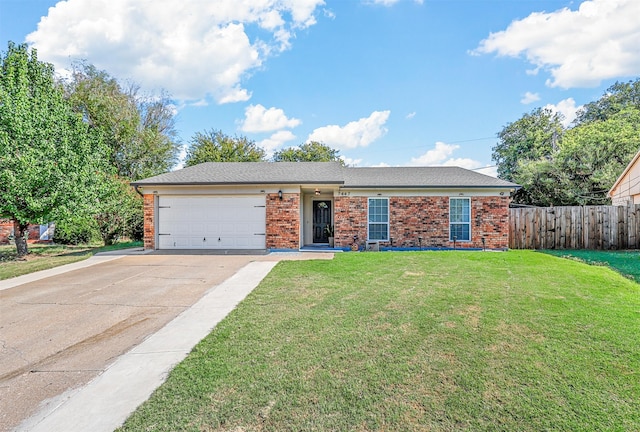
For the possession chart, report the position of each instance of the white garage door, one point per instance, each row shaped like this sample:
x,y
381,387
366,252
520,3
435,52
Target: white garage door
x,y
211,222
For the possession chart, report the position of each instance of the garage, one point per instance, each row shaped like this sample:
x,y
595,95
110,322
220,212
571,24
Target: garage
x,y
211,222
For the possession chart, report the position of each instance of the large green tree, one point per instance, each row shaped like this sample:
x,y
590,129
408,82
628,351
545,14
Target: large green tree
x,y
533,137
140,130
583,163
617,98
311,151
215,146
594,154
50,163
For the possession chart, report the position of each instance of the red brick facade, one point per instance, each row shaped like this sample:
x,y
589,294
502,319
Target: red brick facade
x,y
6,232
283,221
412,218
149,222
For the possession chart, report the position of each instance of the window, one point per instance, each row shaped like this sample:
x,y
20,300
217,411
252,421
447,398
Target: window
x,y
378,218
460,219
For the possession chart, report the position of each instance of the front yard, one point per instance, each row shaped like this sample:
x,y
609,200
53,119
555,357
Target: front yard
x,y
416,341
46,256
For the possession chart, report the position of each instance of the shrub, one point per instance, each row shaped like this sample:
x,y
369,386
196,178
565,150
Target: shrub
x,y
75,230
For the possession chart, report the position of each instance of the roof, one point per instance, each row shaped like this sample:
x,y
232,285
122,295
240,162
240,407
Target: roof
x,y
243,173
624,173
414,177
246,173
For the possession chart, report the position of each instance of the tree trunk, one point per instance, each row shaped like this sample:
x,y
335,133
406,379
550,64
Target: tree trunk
x,y
20,234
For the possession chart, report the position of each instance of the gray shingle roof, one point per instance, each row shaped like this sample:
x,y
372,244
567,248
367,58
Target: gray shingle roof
x,y
239,173
420,177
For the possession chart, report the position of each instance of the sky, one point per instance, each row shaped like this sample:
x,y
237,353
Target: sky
x,y
386,82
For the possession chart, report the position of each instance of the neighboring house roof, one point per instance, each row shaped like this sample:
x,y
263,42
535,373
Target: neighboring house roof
x,y
624,174
243,173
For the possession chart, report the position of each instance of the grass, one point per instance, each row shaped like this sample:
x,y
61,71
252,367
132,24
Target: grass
x,y
626,263
437,341
46,256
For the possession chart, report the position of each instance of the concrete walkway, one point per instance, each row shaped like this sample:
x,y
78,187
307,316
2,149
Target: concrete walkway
x,y
106,402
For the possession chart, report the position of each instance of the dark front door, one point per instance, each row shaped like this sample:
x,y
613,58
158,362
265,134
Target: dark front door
x,y
321,218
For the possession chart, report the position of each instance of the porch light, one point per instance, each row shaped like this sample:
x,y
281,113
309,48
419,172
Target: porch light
x,y
317,192
280,195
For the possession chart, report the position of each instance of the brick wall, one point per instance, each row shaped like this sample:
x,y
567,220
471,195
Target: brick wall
x,y
6,228
283,221
6,231
490,219
149,222
350,219
427,217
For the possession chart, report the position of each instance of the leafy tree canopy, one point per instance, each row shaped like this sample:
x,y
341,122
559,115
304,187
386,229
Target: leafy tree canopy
x,y
312,151
532,137
576,166
215,146
50,163
139,130
616,98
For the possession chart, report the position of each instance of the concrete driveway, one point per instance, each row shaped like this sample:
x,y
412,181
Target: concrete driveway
x,y
60,332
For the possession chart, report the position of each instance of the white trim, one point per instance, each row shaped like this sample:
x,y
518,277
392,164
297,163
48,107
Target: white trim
x,y
467,192
460,223
387,223
624,173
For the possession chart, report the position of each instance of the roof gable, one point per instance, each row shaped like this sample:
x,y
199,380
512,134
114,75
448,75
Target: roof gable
x,y
624,174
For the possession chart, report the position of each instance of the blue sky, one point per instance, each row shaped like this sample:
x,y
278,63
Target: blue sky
x,y
387,82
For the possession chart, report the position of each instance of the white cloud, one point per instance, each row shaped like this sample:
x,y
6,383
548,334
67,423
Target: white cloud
x,y
568,109
384,2
350,161
191,48
490,171
441,154
436,155
358,133
599,41
529,98
411,115
259,119
389,3
276,141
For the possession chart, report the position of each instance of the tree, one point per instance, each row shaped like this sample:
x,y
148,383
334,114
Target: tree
x,y
312,151
588,160
616,98
532,137
594,154
215,146
139,130
119,212
50,163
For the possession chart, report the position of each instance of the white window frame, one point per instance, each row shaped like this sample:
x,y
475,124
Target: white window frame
x,y
451,223
369,223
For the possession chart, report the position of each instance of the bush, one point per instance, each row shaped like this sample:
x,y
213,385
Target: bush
x,y
75,230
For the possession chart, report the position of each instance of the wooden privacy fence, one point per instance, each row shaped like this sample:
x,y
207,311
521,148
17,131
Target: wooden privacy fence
x,y
580,227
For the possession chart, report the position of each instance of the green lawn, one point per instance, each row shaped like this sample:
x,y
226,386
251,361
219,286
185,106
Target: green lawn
x,y
437,341
625,262
46,256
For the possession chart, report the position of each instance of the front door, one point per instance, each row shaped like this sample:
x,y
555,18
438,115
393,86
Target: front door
x,y
321,218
